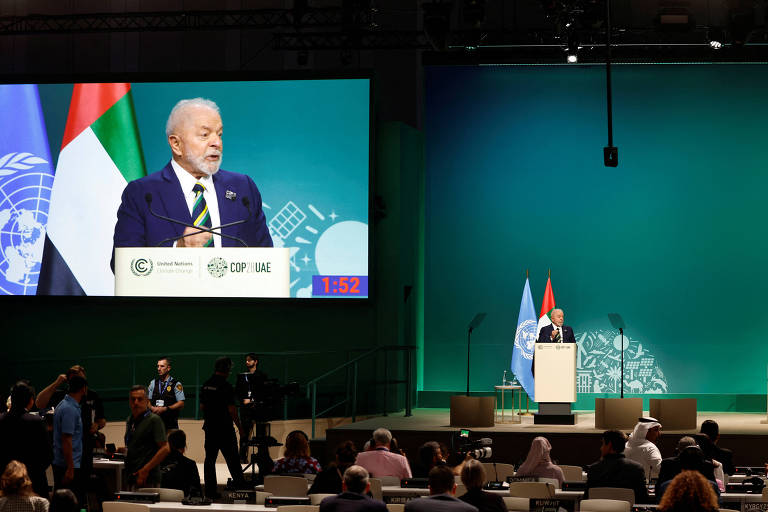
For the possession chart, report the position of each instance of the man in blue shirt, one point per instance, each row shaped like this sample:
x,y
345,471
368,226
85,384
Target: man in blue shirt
x,y
68,439
166,395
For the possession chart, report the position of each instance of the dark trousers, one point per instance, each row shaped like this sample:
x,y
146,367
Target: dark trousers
x,y
226,442
77,485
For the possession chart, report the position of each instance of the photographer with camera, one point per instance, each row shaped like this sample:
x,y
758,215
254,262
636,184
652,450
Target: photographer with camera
x,y
249,388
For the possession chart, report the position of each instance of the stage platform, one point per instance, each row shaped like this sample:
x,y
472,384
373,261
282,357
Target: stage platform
x,y
577,444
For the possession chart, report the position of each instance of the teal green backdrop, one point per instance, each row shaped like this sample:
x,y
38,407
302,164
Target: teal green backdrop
x,y
672,239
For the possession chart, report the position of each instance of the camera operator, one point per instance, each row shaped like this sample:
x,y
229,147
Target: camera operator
x,y
249,387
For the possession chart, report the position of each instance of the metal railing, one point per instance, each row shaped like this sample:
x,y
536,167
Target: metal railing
x,y
113,374
351,368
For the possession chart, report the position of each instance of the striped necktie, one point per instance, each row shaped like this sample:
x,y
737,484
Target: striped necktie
x,y
200,214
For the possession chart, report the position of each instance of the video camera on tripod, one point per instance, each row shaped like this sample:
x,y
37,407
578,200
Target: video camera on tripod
x,y
479,449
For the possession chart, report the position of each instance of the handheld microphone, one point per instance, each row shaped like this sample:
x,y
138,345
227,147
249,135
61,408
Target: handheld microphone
x,y
148,199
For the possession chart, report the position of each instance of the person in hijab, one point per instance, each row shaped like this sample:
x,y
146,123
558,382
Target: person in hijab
x,y
641,448
538,462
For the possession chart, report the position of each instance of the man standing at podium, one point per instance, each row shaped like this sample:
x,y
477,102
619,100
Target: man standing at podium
x,y
556,332
192,191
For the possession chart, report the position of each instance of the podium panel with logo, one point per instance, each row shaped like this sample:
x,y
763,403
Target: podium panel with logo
x,y
555,385
202,272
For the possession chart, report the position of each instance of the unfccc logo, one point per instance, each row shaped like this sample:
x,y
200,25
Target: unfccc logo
x,y
141,266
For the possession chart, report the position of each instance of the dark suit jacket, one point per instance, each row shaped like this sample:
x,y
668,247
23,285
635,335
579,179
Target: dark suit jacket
x,y
546,332
180,472
351,502
439,503
484,501
670,468
712,451
25,438
615,470
137,227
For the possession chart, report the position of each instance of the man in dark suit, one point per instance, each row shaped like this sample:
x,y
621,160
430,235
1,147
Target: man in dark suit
x,y
707,441
24,437
442,487
353,497
615,470
672,466
556,332
192,183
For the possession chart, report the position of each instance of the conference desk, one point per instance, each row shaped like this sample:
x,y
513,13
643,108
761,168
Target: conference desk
x,y
168,506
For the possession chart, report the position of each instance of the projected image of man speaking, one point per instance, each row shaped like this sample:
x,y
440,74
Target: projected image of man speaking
x,y
191,202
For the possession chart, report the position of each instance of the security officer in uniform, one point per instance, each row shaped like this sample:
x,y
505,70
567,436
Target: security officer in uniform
x,y
217,401
166,395
249,386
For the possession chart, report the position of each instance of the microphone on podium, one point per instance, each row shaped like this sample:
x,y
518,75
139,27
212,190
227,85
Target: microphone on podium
x,y
246,203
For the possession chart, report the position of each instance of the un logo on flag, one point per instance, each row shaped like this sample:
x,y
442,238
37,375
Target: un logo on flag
x,y
525,338
25,194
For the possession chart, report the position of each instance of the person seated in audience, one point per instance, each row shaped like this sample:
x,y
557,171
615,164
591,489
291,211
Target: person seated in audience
x,y
16,493
64,500
442,490
429,457
380,461
538,462
24,437
691,459
615,470
353,498
670,467
178,471
330,480
707,441
394,447
296,458
687,492
473,478
641,448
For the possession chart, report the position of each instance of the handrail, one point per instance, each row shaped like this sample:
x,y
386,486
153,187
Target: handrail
x,y
351,388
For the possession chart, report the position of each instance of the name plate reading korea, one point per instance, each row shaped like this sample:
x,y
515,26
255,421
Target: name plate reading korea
x,y
202,272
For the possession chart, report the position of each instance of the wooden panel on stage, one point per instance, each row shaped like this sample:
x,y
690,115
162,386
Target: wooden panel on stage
x,y
674,413
617,413
472,411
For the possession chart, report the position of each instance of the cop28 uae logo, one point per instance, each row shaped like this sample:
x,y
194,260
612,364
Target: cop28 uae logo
x,y
217,267
141,266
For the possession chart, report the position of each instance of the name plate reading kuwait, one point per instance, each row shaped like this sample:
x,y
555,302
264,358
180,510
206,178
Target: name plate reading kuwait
x,y
202,272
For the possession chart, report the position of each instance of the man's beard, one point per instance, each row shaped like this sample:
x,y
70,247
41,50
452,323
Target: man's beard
x,y
204,166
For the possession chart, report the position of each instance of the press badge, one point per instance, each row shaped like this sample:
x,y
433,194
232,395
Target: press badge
x,y
160,403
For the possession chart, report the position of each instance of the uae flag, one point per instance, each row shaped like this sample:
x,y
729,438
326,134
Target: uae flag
x,y
100,154
547,305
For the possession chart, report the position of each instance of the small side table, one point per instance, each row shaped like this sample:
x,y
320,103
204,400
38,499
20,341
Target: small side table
x,y
502,389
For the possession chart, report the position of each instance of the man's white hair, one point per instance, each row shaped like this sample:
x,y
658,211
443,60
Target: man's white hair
x,y
178,111
557,309
382,436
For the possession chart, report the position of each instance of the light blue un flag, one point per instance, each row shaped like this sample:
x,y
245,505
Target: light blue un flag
x,y
525,338
26,178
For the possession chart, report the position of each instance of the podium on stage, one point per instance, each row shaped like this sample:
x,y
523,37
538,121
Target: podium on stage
x,y
202,272
555,384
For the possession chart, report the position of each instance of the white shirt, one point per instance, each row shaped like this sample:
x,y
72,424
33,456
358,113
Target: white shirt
x,y
560,330
187,182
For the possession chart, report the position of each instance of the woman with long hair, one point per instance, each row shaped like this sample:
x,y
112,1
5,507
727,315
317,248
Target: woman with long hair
x,y
689,491
16,494
538,463
296,458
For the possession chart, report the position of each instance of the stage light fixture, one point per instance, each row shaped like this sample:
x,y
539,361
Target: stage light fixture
x,y
572,58
716,45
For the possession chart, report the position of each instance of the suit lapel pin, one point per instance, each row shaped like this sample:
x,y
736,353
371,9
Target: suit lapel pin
x,y
230,195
